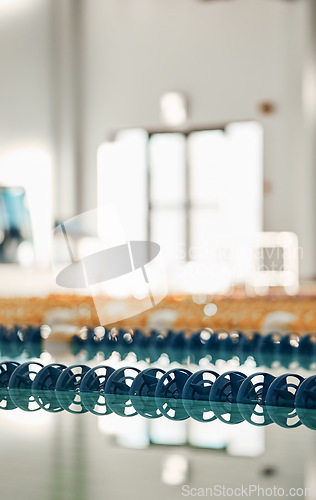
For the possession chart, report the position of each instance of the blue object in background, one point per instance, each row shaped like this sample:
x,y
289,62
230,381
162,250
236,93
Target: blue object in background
x,y
15,223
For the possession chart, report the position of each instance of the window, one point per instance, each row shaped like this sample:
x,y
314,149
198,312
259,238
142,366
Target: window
x,y
194,192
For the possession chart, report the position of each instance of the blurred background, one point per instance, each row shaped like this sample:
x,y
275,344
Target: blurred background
x,y
99,99
197,118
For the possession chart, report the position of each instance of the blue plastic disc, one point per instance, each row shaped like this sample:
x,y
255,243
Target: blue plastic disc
x,y
280,400
43,387
307,350
92,390
248,346
223,397
305,402
168,394
117,391
20,385
196,395
6,370
268,349
68,388
251,398
143,392
288,351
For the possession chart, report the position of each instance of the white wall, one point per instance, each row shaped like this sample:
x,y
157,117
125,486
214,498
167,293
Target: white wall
x,y
26,117
37,90
25,75
72,71
226,56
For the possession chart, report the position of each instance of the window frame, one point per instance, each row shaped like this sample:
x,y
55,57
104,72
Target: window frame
x,y
188,204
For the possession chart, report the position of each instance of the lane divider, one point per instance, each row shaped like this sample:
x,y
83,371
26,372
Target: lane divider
x,y
288,400
265,350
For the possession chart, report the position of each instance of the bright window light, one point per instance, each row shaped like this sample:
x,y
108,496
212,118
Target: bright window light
x,y
167,179
197,194
122,181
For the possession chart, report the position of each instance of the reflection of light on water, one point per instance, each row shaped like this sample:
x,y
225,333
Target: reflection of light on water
x,y
208,435
168,432
130,433
24,420
136,432
175,470
246,440
109,425
133,433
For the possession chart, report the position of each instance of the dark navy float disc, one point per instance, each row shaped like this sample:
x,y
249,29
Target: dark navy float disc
x,y
251,398
20,385
143,392
196,395
280,400
6,370
68,388
168,394
92,390
305,402
43,387
223,397
117,391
